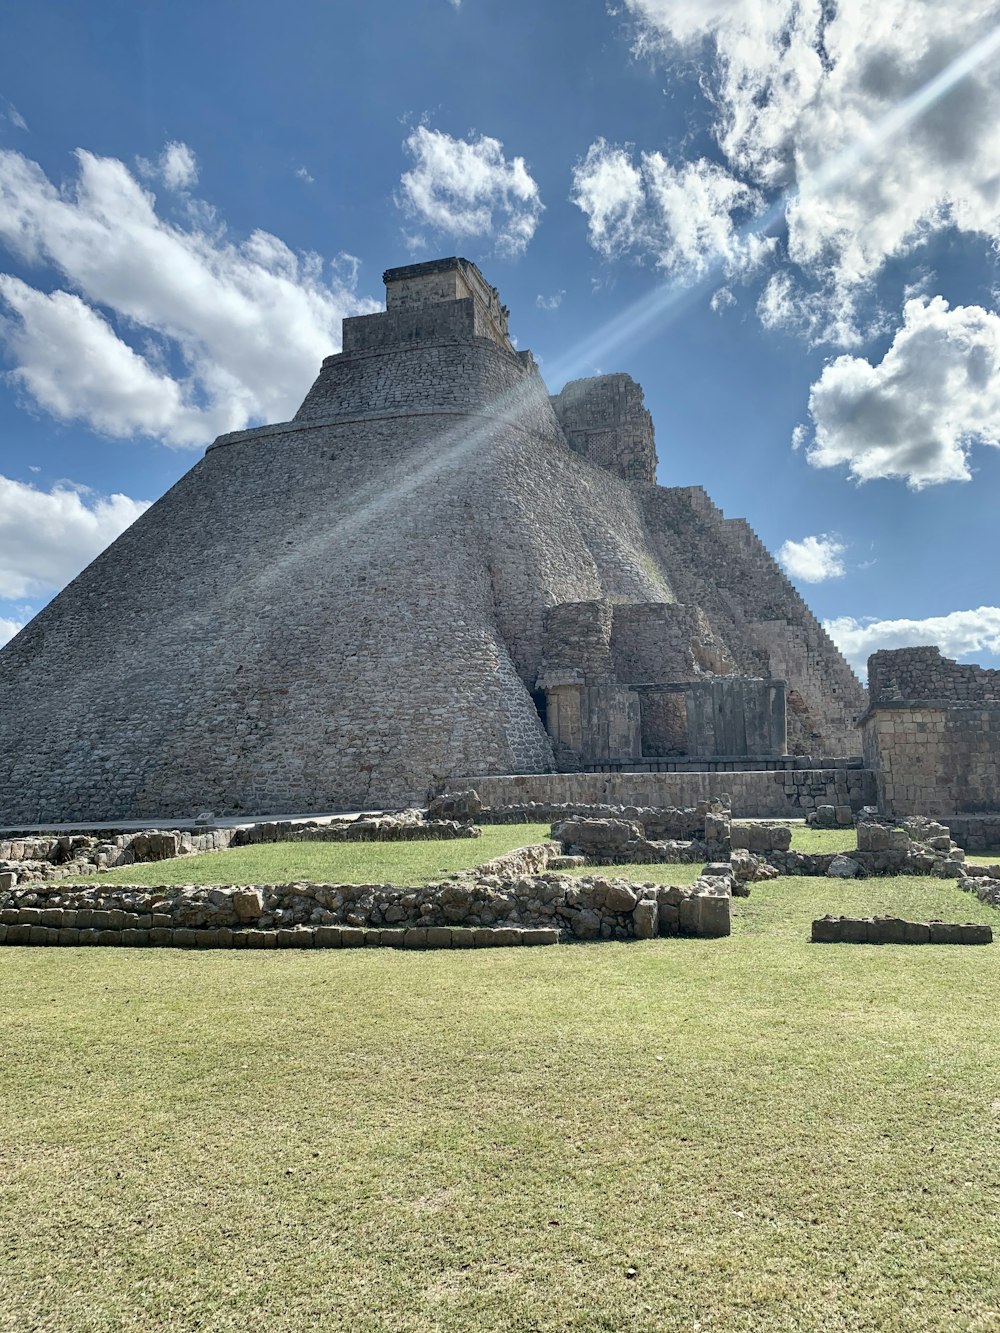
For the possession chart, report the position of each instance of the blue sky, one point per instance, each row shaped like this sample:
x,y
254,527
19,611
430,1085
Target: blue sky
x,y
780,217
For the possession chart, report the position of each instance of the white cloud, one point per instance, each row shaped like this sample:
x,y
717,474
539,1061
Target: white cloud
x,y
47,537
304,175
684,216
247,323
552,302
178,167
824,104
468,188
73,363
8,628
958,634
10,112
722,299
813,559
916,413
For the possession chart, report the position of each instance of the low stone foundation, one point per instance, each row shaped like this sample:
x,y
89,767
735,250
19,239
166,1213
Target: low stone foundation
x,y
72,855
893,930
295,937
587,908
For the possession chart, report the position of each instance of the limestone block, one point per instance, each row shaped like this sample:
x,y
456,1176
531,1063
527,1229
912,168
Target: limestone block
x,y
416,938
943,932
586,925
620,898
842,867
18,934
247,903
538,935
826,930
713,916
352,937
917,932
889,930
160,936
646,919
327,937
976,934
109,937
438,937
38,935
857,931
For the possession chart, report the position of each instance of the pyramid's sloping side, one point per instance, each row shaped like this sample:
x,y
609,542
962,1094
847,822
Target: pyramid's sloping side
x,y
316,617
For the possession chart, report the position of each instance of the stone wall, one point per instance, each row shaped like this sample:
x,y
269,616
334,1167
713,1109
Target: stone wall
x,y
906,674
585,908
932,734
782,793
722,566
976,833
605,421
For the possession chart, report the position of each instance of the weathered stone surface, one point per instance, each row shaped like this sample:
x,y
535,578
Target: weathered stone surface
x,y
646,918
843,867
248,904
586,925
462,806
893,930
620,898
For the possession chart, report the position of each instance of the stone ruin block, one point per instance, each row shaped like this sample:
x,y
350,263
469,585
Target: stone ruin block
x,y
761,836
895,930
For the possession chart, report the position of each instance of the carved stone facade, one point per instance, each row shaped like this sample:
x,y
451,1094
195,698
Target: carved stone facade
x,y
382,594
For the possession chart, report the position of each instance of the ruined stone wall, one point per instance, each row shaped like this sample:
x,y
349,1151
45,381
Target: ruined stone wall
x,y
605,420
721,565
578,639
665,642
923,674
192,916
932,734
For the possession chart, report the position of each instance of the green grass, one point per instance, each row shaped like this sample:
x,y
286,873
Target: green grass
x,y
805,839
400,863
774,1135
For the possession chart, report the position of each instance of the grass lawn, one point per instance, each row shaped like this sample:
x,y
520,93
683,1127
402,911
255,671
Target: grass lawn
x,y
400,863
770,1135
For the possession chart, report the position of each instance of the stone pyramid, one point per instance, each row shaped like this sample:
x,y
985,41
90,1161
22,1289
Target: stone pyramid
x,y
433,571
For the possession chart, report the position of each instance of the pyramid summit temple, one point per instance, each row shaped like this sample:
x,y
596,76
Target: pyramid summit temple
x,y
435,572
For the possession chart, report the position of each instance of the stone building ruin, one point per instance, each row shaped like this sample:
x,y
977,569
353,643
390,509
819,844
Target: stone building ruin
x,y
436,571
